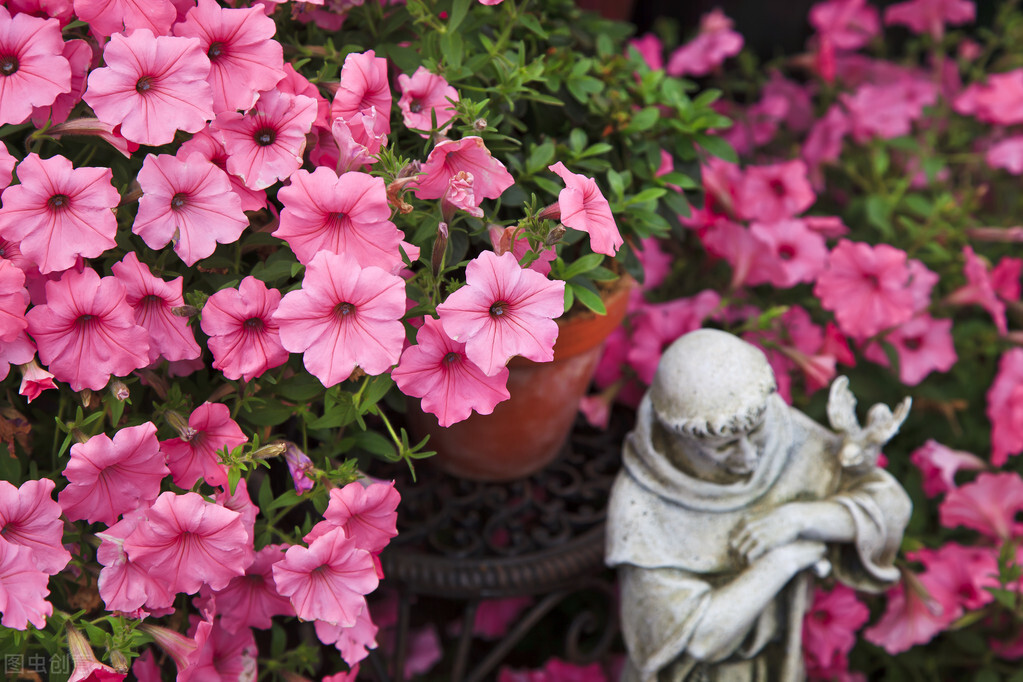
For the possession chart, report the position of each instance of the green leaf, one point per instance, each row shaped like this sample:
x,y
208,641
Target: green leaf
x,y
533,24
459,9
540,157
376,390
617,183
583,88
878,213
270,413
583,265
376,444
577,140
642,120
588,298
451,47
880,161
595,150
569,302
649,194
718,147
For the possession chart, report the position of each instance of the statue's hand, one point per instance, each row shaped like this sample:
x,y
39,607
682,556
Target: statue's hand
x,y
755,536
799,555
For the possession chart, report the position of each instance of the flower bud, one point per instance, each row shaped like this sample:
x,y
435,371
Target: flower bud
x,y
300,466
552,212
554,236
479,125
119,390
270,450
180,424
440,245
185,311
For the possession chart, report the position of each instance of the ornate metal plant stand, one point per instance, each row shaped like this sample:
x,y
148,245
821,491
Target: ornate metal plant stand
x,y
465,541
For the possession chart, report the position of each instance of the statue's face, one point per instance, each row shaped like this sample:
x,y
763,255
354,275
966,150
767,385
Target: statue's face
x,y
737,454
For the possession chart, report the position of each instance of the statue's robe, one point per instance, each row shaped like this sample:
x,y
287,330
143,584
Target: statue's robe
x,y
668,534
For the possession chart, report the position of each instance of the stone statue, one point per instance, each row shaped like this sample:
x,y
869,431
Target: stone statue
x,y
728,501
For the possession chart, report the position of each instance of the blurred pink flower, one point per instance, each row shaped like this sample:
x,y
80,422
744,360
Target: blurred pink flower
x,y
1007,154
109,477
924,345
33,68
988,505
363,85
190,542
865,286
772,193
469,154
651,49
939,464
152,85
266,143
824,142
23,589
847,24
930,16
715,43
495,616
245,59
327,580
555,670
193,455
655,325
979,290
30,518
965,574
1005,278
451,385
583,207
153,301
800,254
86,330
109,17
1005,407
425,95
339,215
830,626
251,600
59,212
344,315
503,311
999,100
913,615
244,337
886,111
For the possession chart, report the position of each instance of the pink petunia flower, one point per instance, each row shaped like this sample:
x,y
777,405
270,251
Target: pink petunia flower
x,y
153,301
503,311
355,642
18,352
266,144
30,518
13,301
34,380
23,589
7,163
243,335
555,670
80,56
924,345
772,193
1005,407
470,154
830,625
368,513
865,286
153,86
194,455
109,17
190,542
109,477
245,59
425,96
715,43
998,100
327,580
651,49
210,146
1005,278
886,111
59,213
988,504
188,202
930,16
124,585
87,667
33,68
251,600
363,85
751,262
299,466
344,315
846,24
939,464
913,615
979,290
966,573
1006,154
583,207
800,254
340,215
86,331
451,385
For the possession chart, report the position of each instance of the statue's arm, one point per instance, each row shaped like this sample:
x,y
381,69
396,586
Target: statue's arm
x,y
823,520
734,606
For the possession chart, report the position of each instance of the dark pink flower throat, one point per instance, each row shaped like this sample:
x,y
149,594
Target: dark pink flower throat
x,y
58,202
498,308
8,65
343,310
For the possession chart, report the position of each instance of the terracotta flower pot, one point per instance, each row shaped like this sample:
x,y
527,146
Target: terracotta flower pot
x,y
526,432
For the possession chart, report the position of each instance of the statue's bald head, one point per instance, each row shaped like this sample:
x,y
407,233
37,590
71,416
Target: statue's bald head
x,y
710,382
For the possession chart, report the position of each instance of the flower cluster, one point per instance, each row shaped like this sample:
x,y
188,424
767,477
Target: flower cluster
x,y
864,226
230,249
